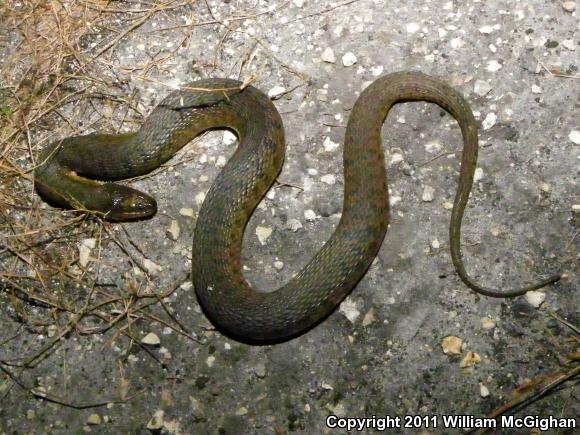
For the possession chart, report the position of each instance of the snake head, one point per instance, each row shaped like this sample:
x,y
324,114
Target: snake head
x,y
127,204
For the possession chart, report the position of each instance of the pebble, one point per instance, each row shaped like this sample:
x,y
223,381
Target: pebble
x,y
263,234
51,330
151,339
349,309
574,136
229,137
569,6
242,410
487,323
260,370
294,225
298,3
486,30
456,43
483,390
478,175
151,267
470,359
493,66
481,87
433,146
329,145
369,317
435,244
174,230
329,179
428,194
536,89
328,55
349,59
156,422
396,158
489,121
186,212
568,44
84,255
276,92
451,345
535,298
199,198
278,265
94,420
310,215
412,27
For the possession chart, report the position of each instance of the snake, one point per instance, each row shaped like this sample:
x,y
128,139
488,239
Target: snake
x,y
79,172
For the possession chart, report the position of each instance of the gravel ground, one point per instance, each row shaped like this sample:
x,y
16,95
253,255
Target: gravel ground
x,y
382,353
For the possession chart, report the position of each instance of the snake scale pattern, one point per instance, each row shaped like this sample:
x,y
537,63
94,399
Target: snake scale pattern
x,y
69,169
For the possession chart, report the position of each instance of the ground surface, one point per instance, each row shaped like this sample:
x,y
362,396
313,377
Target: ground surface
x,y
381,353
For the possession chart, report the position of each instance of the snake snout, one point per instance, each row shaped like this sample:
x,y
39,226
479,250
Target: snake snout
x,y
128,204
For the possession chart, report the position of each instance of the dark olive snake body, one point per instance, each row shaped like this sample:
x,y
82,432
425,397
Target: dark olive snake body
x,y
67,168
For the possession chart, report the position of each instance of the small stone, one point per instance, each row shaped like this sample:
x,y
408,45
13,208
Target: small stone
x,y
173,231
487,323
486,30
84,255
568,44
576,208
260,370
329,145
90,243
535,298
349,309
186,212
328,55
433,146
349,59
451,345
481,87
156,422
412,27
478,175
545,187
276,92
569,6
229,137
369,317
298,3
483,390
310,215
242,410
489,121
210,361
151,339
263,234
456,43
51,330
574,136
199,199
396,158
428,194
448,205
329,179
493,66
221,161
30,414
278,265
94,420
470,359
294,225
536,89
435,244
151,267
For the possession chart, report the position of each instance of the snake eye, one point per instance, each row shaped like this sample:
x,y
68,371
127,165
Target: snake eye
x,y
127,204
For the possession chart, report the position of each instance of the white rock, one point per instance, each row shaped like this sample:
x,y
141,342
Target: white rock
x,y
478,175
329,179
294,225
278,265
243,410
451,345
151,267
456,43
349,309
433,146
94,420
487,323
157,421
84,255
569,6
486,30
229,137
186,212
199,198
369,317
428,194
489,121
328,55
483,390
412,27
329,145
263,234
298,3
568,44
349,59
535,298
151,339
174,230
435,244
276,91
221,161
536,89
493,66
396,158
481,87
574,136
90,243
310,215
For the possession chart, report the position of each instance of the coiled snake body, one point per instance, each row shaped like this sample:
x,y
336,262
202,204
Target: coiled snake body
x,y
68,167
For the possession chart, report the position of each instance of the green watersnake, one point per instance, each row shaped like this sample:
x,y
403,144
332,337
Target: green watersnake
x,y
67,170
